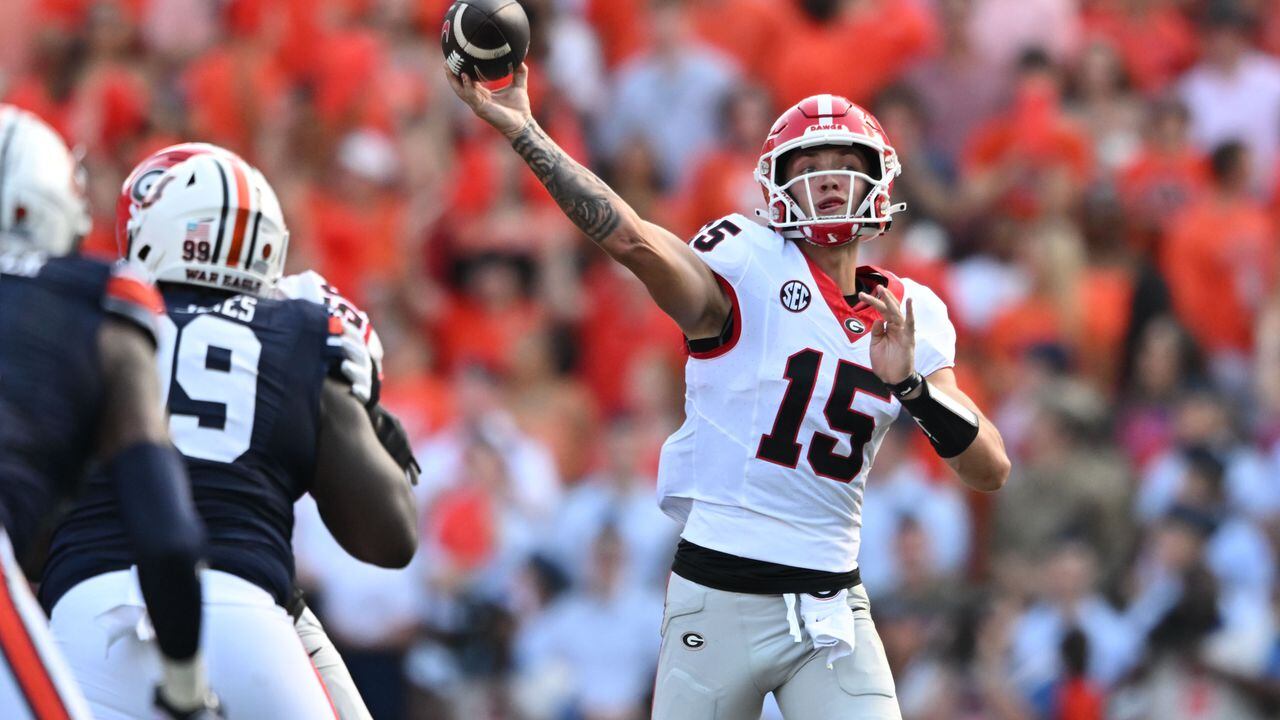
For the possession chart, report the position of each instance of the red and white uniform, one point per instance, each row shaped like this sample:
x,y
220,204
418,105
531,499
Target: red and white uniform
x,y
784,419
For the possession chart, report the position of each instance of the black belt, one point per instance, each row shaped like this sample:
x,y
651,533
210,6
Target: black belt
x,y
731,573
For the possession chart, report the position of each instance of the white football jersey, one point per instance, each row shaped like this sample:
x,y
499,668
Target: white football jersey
x,y
783,420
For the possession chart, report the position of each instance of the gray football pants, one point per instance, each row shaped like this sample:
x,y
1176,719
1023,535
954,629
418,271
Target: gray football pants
x,y
722,652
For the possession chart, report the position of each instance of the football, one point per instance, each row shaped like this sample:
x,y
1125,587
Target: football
x,y
486,39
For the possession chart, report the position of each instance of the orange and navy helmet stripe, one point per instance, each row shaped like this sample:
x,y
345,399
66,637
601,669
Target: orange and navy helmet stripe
x,y
240,215
241,222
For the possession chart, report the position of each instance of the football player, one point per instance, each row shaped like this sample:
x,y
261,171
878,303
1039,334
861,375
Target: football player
x,y
799,359
263,410
78,390
360,368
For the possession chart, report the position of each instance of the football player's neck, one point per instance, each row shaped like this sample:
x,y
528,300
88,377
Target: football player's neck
x,y
840,263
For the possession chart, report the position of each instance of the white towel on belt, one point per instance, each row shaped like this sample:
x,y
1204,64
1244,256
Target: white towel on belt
x,y
828,621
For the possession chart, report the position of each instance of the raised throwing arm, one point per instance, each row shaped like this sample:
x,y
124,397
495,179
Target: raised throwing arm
x,y
682,285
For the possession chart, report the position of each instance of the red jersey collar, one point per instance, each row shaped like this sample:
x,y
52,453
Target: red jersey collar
x,y
856,320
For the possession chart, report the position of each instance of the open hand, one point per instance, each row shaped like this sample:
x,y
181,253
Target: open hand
x,y
893,337
507,109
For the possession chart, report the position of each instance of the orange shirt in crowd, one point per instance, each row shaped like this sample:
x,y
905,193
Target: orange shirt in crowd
x,y
424,402
719,183
1031,138
69,15
1080,699
1039,320
349,77
1156,45
111,107
1220,260
622,325
355,244
1155,185
469,333
1271,30
231,89
32,94
749,31
622,27
463,523
855,56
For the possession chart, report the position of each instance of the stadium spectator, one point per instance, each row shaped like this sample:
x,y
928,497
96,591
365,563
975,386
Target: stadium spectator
x,y
1234,92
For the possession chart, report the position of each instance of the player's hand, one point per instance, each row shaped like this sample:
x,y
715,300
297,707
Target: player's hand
x,y
507,109
209,709
362,364
893,337
361,347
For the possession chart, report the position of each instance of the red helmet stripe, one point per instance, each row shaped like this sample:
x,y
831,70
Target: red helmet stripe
x,y
242,212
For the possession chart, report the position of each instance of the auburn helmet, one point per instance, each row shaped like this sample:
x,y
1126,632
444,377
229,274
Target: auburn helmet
x,y
211,220
42,198
828,121
143,177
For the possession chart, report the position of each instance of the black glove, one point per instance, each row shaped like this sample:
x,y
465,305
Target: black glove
x,y
211,709
396,441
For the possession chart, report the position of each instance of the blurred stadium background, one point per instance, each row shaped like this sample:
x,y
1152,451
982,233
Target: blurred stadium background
x,y
1092,188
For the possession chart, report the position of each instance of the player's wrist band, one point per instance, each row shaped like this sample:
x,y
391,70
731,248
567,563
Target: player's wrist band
x,y
950,426
908,386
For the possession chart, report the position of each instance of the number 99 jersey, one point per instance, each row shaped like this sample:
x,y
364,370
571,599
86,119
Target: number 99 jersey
x,y
243,376
783,414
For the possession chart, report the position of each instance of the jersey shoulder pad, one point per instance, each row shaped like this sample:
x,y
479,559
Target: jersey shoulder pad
x,y
131,297
728,244
317,320
935,335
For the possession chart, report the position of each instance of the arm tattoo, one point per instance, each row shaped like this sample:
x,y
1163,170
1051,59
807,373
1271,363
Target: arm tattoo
x,y
585,198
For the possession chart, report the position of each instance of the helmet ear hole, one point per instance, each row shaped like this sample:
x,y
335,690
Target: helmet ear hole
x,y
144,252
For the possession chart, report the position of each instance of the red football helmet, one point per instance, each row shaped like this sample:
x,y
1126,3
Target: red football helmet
x,y
828,120
141,179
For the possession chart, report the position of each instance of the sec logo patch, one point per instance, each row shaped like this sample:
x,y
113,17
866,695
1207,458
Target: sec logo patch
x,y
795,296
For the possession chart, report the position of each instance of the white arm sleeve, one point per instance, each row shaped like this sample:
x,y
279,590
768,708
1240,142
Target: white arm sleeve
x,y
935,335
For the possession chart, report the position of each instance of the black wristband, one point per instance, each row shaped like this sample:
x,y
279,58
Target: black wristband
x,y
950,426
908,386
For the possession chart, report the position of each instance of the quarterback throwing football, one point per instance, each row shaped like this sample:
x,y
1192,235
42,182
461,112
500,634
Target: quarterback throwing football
x,y
799,360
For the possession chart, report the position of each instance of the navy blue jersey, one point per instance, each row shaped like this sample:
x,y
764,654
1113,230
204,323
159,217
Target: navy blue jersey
x,y
51,385
243,377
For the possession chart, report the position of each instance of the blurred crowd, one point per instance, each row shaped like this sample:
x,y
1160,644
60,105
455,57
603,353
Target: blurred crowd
x,y
1093,188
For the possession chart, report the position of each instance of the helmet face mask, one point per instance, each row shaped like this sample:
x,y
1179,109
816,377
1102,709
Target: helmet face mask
x,y
828,121
212,221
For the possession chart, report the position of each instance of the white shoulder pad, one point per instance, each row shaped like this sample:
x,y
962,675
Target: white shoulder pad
x,y
935,335
728,244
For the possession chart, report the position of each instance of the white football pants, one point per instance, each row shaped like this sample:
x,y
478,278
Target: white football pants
x,y
35,683
723,651
256,663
